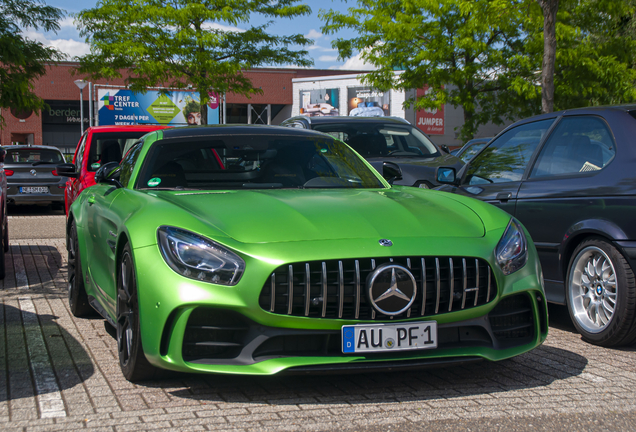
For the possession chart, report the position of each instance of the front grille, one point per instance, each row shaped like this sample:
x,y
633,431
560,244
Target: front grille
x,y
512,319
337,288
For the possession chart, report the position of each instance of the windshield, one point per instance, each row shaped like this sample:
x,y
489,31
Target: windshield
x,y
33,155
110,147
381,139
254,162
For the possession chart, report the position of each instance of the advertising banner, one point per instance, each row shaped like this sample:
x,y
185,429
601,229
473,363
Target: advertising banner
x,y
177,108
314,103
64,112
368,102
430,120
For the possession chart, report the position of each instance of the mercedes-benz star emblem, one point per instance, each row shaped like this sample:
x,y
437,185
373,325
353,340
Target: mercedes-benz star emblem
x,y
33,172
386,242
391,289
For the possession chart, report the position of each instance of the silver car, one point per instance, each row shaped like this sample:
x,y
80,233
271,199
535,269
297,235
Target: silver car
x,y
31,177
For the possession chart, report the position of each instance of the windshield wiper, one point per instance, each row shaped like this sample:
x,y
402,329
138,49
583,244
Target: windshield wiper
x,y
262,185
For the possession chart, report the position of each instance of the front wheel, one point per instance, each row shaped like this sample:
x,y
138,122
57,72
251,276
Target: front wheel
x,y
132,360
77,298
601,294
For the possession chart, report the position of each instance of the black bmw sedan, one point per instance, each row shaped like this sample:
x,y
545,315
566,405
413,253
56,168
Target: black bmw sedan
x,y
570,178
385,139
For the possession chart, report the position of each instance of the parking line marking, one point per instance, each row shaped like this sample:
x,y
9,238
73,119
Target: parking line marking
x,y
21,280
48,392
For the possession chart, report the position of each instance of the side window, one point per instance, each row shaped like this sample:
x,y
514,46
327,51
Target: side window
x,y
507,157
578,144
79,153
128,163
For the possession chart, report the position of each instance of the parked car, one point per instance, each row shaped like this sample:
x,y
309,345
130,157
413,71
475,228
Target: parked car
x,y
569,178
471,148
31,175
4,220
380,139
98,146
255,249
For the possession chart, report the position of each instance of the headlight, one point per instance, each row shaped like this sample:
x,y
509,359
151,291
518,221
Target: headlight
x,y
512,250
199,258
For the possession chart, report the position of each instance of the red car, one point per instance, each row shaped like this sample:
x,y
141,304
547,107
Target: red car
x,y
98,145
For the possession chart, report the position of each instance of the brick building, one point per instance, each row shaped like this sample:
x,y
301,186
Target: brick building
x,y
60,124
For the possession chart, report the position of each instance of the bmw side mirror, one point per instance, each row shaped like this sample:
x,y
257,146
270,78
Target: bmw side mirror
x,y
109,173
391,172
445,148
447,175
66,170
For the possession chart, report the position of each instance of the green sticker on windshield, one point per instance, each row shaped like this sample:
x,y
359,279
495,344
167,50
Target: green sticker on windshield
x,y
154,181
96,165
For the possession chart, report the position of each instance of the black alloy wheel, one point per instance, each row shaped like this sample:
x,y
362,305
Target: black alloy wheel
x,y
77,298
132,360
601,294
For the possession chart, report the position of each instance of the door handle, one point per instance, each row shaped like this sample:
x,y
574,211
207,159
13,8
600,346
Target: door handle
x,y
504,196
91,200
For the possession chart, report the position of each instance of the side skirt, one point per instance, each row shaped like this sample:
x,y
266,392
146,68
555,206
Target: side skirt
x,y
100,310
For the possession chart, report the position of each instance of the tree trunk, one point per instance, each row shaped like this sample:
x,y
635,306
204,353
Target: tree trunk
x,y
549,8
203,94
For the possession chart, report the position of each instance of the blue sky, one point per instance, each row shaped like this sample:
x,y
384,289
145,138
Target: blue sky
x,y
69,41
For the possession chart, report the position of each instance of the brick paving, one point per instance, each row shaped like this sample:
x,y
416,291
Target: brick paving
x,y
58,372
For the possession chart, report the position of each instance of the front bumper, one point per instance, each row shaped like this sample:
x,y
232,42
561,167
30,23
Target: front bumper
x,y
192,326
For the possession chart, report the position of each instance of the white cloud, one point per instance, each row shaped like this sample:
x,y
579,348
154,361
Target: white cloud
x,y
314,47
67,21
222,27
326,58
313,34
70,47
355,63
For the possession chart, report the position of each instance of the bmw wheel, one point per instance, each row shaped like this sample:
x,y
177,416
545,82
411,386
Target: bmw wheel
x,y
601,294
77,298
132,360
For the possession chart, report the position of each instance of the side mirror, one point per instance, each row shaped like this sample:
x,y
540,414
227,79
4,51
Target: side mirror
x,y
445,148
447,175
3,153
391,172
66,170
109,173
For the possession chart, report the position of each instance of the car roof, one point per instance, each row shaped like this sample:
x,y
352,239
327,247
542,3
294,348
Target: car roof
x,y
37,147
239,129
349,119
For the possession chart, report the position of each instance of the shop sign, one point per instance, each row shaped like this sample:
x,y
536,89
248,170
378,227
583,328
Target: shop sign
x,y
368,102
64,112
319,103
125,107
430,120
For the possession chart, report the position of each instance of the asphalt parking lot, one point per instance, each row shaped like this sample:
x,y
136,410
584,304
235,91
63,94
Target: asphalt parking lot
x,y
62,373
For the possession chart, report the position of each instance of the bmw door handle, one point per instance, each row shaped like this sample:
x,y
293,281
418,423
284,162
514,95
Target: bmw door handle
x,y
504,196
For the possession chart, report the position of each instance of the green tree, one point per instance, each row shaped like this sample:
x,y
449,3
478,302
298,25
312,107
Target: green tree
x,y
23,60
178,43
595,53
470,52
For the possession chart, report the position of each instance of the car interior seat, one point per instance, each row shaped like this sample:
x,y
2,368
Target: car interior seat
x,y
111,152
171,175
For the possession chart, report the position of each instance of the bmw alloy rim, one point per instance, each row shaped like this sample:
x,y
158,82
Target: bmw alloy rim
x,y
593,289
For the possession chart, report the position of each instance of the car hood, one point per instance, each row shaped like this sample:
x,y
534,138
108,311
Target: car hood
x,y
286,215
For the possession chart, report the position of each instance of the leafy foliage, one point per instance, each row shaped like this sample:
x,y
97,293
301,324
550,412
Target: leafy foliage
x,y
485,56
23,60
178,43
469,51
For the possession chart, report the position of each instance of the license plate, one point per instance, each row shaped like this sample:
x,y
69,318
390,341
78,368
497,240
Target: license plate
x,y
34,189
389,337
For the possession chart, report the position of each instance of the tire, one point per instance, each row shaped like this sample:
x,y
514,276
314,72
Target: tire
x,y
601,294
132,359
77,298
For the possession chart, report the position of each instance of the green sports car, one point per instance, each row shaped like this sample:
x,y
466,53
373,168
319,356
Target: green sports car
x,y
254,250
